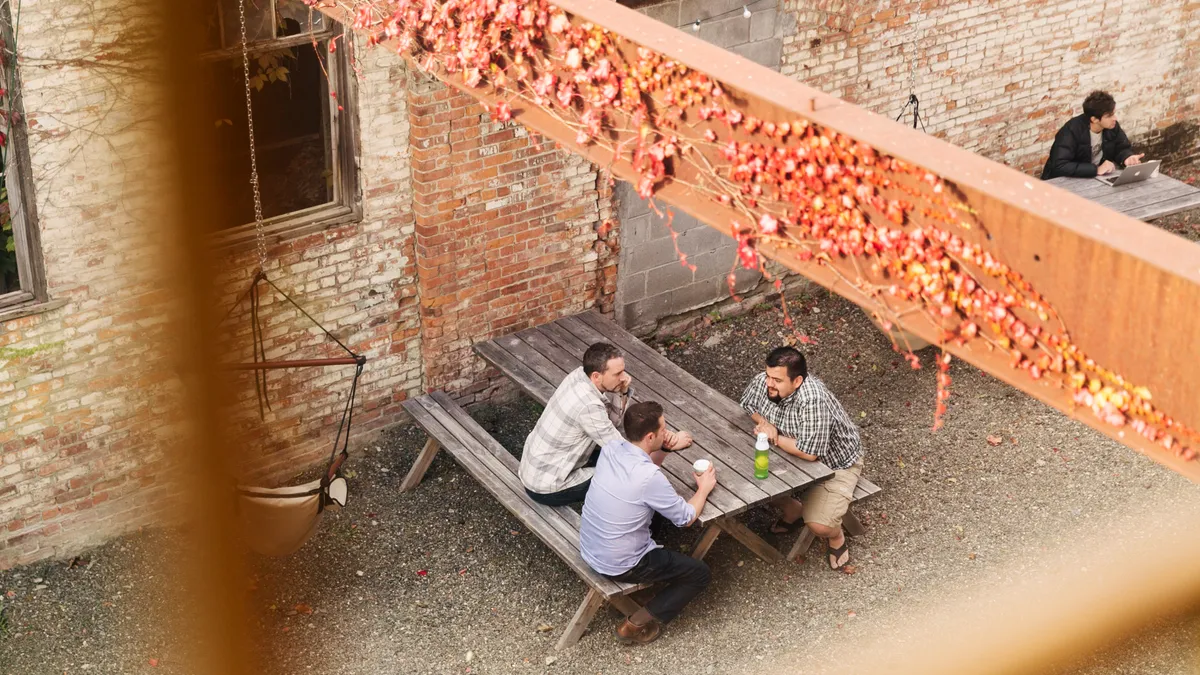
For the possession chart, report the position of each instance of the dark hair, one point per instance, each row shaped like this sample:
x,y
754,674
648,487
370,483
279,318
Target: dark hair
x,y
790,358
1098,104
596,358
641,419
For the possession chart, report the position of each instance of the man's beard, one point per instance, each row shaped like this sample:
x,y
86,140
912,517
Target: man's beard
x,y
776,398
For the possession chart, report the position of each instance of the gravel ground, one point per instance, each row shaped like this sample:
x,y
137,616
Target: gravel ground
x,y
443,580
1187,223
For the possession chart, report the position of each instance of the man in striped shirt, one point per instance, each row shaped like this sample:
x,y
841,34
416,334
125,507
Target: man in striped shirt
x,y
802,418
560,454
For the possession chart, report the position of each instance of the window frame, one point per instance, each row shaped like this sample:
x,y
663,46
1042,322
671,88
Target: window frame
x,y
346,205
31,270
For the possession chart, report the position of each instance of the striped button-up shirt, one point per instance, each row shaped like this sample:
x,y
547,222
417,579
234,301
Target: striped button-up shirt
x,y
813,417
577,418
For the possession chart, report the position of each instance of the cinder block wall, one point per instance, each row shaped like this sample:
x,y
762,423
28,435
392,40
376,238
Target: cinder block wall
x,y
652,284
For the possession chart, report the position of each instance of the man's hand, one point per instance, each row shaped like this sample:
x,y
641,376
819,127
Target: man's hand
x,y
1105,167
768,429
1134,160
705,482
677,441
626,380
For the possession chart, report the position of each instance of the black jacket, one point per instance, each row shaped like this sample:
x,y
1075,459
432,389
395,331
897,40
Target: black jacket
x,y
1071,154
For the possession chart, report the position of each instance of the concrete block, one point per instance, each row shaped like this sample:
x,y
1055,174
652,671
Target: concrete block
x,y
632,287
667,12
669,277
725,32
701,238
690,10
631,204
763,25
652,254
765,52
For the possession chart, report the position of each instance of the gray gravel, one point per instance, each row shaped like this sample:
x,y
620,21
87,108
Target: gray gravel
x,y
954,511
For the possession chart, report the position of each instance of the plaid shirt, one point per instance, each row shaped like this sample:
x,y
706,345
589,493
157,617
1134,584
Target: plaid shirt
x,y
813,417
576,419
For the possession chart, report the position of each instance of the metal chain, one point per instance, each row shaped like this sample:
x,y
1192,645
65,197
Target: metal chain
x,y
258,210
912,57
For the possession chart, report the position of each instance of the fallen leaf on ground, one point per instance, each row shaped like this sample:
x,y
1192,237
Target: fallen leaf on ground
x,y
544,628
153,663
971,557
994,440
422,573
849,569
304,608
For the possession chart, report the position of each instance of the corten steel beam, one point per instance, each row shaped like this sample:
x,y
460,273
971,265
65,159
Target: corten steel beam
x,y
1127,293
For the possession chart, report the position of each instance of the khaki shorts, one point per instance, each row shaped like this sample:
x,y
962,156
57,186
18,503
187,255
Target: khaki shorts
x,y
826,502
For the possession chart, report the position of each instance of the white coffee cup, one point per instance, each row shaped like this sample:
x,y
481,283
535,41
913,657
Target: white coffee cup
x,y
701,465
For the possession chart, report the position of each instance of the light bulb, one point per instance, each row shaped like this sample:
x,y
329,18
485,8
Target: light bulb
x,y
696,26
745,11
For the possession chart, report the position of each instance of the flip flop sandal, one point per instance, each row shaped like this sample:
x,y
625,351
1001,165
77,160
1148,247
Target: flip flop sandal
x,y
836,554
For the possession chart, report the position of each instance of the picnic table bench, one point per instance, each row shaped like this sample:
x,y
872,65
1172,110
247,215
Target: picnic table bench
x,y
1153,198
537,360
495,468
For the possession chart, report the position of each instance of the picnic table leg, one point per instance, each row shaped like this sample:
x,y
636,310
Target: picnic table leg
x,y
802,543
706,540
852,524
419,467
583,616
752,541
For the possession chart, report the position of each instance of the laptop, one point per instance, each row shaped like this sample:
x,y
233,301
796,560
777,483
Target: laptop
x,y
1132,174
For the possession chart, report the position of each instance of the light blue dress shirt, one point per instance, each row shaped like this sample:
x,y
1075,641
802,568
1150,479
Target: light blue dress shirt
x,y
627,488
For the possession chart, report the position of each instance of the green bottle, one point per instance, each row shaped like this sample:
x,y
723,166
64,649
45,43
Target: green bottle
x,y
762,461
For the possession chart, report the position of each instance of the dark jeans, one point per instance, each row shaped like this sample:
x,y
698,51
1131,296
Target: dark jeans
x,y
571,495
685,577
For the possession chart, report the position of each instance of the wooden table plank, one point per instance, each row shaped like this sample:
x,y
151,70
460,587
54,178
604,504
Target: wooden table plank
x,y
513,369
710,398
676,468
738,444
733,472
1169,207
1147,200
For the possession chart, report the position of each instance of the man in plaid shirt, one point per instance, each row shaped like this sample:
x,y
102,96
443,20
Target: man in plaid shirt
x,y
801,417
581,417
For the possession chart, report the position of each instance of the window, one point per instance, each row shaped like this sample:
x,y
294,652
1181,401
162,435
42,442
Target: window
x,y
21,275
303,134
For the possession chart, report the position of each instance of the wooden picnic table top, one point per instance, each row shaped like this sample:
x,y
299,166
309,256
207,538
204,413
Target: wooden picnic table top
x,y
539,358
1153,198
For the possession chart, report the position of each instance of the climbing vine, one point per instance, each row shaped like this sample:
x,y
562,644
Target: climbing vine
x,y
896,232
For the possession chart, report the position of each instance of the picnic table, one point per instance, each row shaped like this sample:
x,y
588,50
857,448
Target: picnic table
x,y
1153,198
537,360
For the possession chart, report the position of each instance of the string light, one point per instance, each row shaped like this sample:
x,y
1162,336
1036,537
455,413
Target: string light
x,y
745,11
696,26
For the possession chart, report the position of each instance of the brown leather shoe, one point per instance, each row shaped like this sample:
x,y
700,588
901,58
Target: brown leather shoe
x,y
631,633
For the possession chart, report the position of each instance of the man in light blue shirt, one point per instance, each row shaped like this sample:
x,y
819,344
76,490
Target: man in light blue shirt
x,y
614,537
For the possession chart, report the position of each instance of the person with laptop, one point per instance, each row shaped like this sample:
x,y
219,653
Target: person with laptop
x,y
1091,144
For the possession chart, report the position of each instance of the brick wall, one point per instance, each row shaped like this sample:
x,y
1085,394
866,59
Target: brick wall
x,y
511,238
1000,77
358,280
79,452
653,287
506,232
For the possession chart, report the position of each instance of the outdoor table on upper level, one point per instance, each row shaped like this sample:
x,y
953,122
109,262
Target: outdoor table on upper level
x,y
1153,198
539,358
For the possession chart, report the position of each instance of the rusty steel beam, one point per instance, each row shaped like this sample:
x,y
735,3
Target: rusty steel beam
x,y
1126,293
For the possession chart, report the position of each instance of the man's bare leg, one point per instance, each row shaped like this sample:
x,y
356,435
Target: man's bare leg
x,y
836,539
791,508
